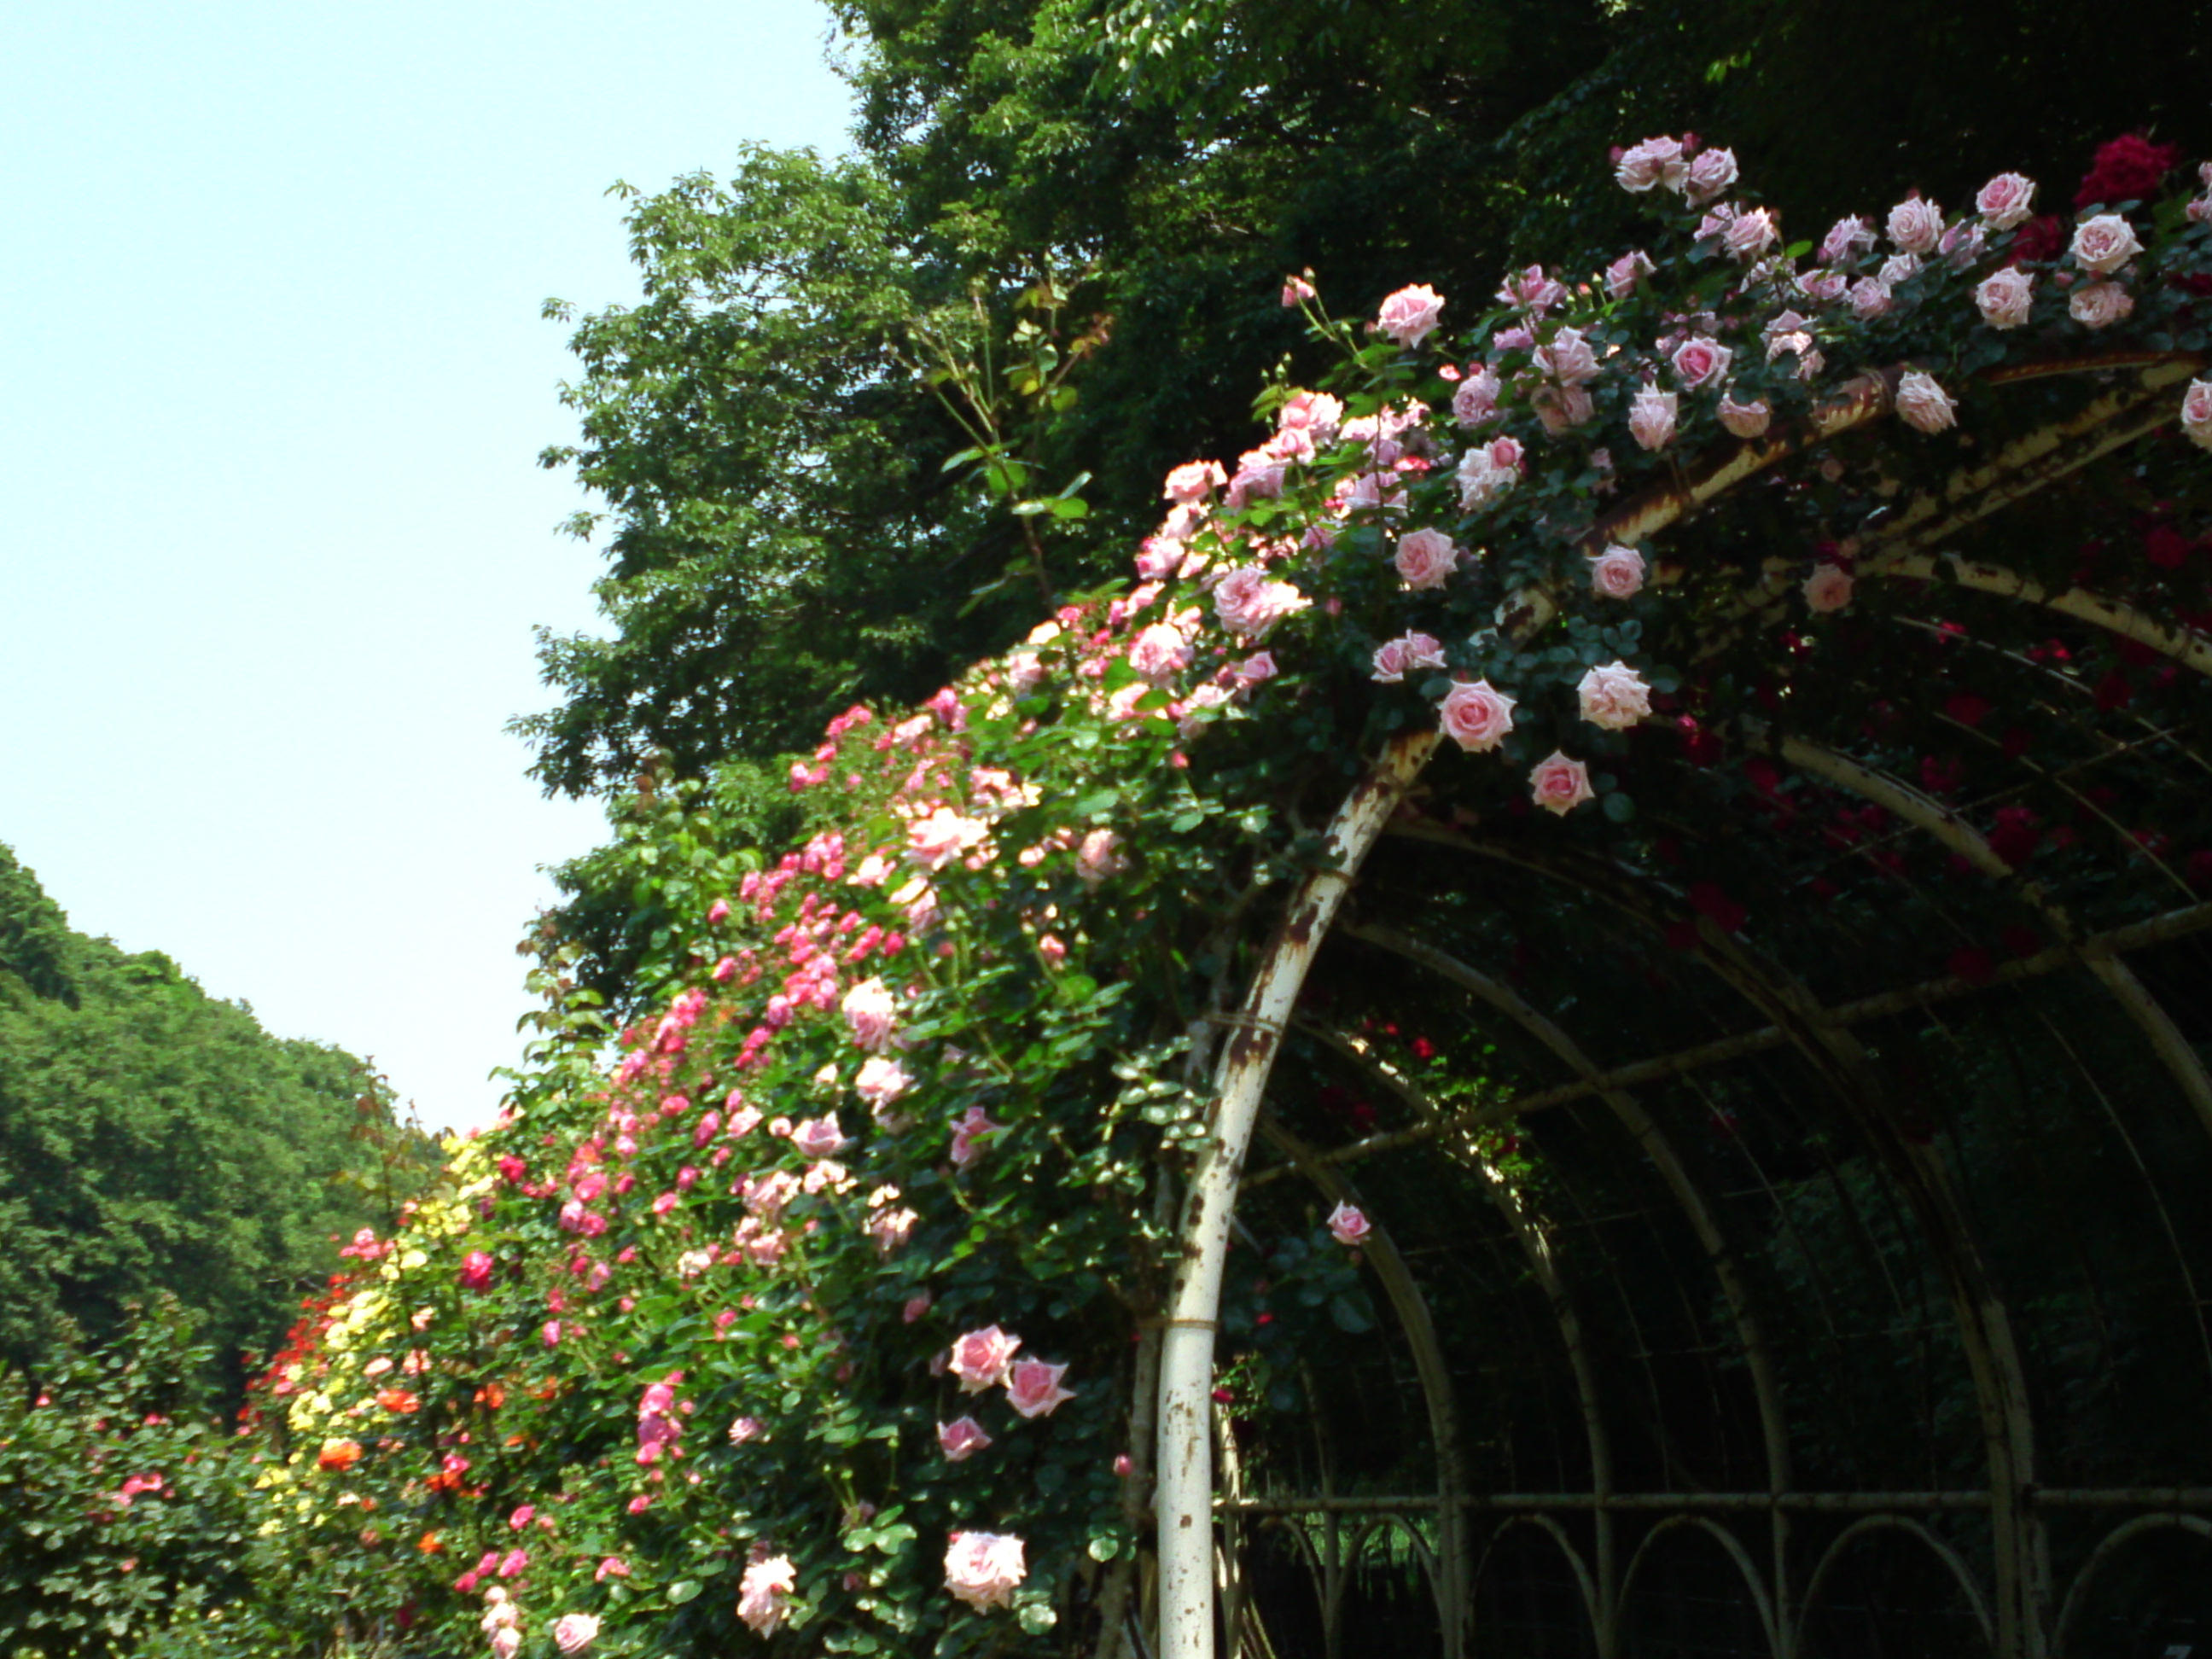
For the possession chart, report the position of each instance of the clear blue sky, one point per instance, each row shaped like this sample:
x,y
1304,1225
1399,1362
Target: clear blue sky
x,y
275,382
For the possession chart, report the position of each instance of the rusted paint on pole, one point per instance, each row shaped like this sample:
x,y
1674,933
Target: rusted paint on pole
x,y
1184,1508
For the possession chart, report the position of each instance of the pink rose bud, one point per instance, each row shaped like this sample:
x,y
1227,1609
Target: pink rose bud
x,y
1559,785
718,912
1296,291
961,1439
1349,1225
1123,1466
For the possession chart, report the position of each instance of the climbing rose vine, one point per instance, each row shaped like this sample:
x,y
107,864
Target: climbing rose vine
x,y
813,1305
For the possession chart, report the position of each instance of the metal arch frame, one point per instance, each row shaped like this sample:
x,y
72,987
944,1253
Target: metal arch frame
x,y
1993,1358
1758,1356
1557,1533
1449,1574
1184,1465
1894,795
1777,1641
1950,1557
2107,1547
1544,1268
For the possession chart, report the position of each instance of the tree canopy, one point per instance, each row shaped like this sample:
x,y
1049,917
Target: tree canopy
x,y
156,1140
785,431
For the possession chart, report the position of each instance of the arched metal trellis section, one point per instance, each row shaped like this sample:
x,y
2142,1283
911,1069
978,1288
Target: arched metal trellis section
x,y
1746,1280
1977,1600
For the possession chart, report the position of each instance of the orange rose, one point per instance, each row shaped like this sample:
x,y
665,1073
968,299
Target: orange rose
x,y
397,1400
338,1455
430,1544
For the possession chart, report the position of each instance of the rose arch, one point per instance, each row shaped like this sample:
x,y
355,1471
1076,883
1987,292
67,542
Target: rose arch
x,y
1605,952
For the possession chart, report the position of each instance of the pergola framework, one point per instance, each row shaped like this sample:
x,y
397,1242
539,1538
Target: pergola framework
x,y
1908,1184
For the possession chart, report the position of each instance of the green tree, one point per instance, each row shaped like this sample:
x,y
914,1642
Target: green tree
x,y
154,1139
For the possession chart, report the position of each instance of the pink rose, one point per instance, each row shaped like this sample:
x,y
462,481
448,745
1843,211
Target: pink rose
x,y
1654,161
1561,408
1482,480
1349,1226
2196,413
981,1358
1870,298
2104,244
983,1568
550,1333
1194,480
1413,650
1750,234
575,1632
1826,286
1425,558
1698,360
2003,298
1916,224
2100,305
1626,274
764,1594
1828,588
1249,603
1475,402
1159,653
1033,1388
612,1567
1476,716
1962,244
1617,573
1711,173
1296,291
1410,314
872,1012
1744,420
505,1641
1651,418
1098,857
1925,405
819,1137
1256,669
1845,237
1313,413
961,1439
1568,358
1559,785
935,840
2006,201
475,1271
968,1132
1531,291
1613,696
880,1082
1898,268
916,1306
747,1429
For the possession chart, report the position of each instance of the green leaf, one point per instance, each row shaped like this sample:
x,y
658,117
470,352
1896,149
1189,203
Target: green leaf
x,y
683,1590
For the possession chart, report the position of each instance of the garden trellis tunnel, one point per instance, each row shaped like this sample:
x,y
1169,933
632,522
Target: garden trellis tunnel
x,y
1792,1242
